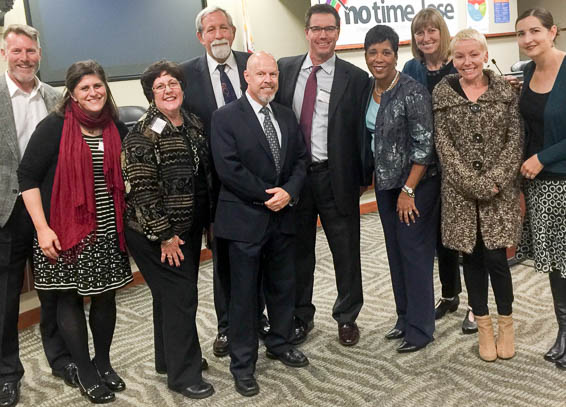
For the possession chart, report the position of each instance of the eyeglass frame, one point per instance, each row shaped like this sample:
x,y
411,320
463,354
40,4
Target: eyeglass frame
x,y
329,29
172,84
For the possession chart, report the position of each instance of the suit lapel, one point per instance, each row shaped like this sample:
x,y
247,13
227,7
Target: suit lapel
x,y
7,119
289,87
339,85
204,79
255,126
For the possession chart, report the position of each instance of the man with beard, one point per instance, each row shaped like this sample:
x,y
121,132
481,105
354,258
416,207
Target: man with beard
x,y
260,159
213,80
24,102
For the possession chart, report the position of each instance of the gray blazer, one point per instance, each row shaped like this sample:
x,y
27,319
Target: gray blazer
x,y
10,154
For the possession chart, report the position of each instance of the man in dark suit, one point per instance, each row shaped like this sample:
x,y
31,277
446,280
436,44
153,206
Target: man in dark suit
x,y
24,101
213,80
324,92
260,159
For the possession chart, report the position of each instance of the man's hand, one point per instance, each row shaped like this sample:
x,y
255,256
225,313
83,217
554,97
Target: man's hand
x,y
279,200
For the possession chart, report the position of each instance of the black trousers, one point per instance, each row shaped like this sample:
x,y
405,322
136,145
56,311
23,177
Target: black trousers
x,y
175,300
483,264
410,252
16,239
448,270
271,257
343,235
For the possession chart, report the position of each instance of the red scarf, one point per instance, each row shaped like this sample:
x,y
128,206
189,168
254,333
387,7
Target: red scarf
x,y
73,207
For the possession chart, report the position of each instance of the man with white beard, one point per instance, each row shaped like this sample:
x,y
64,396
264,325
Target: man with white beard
x,y
213,80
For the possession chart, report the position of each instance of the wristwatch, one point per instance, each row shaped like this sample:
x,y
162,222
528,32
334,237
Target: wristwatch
x,y
409,191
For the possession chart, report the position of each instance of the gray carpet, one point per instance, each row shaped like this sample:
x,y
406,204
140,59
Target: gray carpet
x,y
446,373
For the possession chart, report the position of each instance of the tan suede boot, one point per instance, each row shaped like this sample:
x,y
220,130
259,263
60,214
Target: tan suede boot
x,y
486,338
505,337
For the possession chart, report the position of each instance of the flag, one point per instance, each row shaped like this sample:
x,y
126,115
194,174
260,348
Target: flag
x,y
248,38
337,3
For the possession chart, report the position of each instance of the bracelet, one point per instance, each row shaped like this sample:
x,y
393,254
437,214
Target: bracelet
x,y
168,241
409,191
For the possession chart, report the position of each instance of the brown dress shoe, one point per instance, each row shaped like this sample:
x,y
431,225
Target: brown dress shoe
x,y
348,334
220,346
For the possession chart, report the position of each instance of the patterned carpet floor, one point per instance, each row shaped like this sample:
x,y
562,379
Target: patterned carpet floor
x,y
446,373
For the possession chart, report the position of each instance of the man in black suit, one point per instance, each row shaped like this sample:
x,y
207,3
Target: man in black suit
x,y
260,159
325,94
213,80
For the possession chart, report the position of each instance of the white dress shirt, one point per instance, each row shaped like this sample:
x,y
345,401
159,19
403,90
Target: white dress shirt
x,y
324,79
261,117
29,109
231,70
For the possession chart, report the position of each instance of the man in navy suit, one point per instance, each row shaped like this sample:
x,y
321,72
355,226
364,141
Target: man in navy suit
x,y
213,80
260,158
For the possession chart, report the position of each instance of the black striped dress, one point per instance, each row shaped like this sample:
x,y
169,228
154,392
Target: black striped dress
x,y
100,266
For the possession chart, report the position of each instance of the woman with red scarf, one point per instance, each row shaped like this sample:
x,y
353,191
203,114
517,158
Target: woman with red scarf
x,y
72,186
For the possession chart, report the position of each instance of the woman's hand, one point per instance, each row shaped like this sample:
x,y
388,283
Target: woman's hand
x,y
49,242
171,251
531,167
514,81
406,209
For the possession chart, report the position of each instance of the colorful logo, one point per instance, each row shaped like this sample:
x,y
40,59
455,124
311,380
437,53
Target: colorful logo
x,y
477,9
337,3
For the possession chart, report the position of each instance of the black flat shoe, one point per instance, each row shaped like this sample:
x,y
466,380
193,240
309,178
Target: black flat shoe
x,y
263,329
111,379
97,394
246,386
293,358
220,346
201,390
469,327
443,306
407,347
301,331
68,374
558,350
10,394
203,364
394,333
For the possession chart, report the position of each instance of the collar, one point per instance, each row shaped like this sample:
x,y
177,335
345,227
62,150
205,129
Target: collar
x,y
327,66
13,88
213,63
256,106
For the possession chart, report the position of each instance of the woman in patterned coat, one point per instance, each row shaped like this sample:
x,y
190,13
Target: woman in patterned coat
x,y
479,145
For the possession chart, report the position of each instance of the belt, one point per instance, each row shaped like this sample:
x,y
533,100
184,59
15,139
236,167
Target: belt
x,y
317,166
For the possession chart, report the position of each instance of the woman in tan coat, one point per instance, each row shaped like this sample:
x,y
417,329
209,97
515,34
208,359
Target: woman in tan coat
x,y
479,145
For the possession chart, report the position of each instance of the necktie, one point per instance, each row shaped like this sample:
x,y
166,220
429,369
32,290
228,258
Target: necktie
x,y
272,139
227,88
307,110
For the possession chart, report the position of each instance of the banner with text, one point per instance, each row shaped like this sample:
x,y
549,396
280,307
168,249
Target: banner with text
x,y
358,16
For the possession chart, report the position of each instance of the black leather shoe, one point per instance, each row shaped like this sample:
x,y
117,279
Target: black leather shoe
x,y
293,357
111,379
348,334
469,327
561,363
301,331
201,390
443,306
407,347
10,394
203,364
263,329
394,333
246,386
220,346
68,374
97,394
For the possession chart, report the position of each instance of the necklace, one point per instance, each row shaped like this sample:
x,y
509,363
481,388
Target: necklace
x,y
390,85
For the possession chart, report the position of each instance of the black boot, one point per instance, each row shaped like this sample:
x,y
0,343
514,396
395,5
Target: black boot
x,y
558,287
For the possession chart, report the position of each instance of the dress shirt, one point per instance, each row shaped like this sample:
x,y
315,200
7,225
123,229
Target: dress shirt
x,y
29,109
261,117
232,72
324,79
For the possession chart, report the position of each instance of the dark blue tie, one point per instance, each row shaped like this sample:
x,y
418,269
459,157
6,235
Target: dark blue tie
x,y
227,88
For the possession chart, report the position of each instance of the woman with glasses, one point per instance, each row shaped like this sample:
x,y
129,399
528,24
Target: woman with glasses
x,y
166,167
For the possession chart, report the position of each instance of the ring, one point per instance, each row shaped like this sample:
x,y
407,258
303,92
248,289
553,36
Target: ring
x,y
410,213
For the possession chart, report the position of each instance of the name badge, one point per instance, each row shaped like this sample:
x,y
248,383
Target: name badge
x,y
158,125
323,96
100,145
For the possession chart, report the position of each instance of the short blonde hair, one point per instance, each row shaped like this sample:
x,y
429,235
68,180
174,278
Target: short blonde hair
x,y
468,34
21,29
430,17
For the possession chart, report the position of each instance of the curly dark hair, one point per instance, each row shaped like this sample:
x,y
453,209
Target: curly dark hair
x,y
381,33
154,71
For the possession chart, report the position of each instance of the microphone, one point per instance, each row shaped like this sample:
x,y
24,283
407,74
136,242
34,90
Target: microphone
x,y
495,63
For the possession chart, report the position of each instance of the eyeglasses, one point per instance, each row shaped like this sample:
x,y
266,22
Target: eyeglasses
x,y
162,86
331,29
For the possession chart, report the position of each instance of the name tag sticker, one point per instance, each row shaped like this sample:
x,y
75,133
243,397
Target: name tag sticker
x,y
323,96
100,145
158,125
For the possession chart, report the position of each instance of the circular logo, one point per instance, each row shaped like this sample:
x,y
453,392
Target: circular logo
x,y
477,9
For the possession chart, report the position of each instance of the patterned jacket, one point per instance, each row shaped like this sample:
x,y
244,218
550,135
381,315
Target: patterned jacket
x,y
480,147
159,174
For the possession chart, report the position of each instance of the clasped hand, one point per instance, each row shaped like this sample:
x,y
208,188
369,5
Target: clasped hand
x,y
49,243
531,167
279,200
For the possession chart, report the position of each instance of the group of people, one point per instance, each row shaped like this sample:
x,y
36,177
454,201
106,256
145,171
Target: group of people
x,y
251,152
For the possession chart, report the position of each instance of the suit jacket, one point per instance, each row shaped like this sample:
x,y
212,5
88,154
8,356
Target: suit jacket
x,y
246,169
345,130
10,154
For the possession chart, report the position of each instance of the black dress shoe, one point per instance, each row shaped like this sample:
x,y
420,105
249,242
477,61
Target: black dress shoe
x,y
97,394
561,363
394,333
201,390
68,374
293,357
263,329
220,346
246,386
407,347
445,305
469,327
111,379
301,331
10,394
559,348
203,364
348,334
